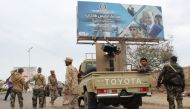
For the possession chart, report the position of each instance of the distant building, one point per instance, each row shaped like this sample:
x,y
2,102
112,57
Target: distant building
x,y
29,72
186,69
187,76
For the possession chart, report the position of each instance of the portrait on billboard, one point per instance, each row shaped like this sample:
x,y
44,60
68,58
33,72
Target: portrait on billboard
x,y
150,20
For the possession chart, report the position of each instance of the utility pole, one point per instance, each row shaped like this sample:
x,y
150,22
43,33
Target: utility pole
x,y
29,50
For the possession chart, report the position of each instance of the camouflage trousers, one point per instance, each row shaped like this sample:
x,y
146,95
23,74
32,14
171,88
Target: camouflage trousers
x,y
13,97
174,92
53,95
44,100
38,94
70,102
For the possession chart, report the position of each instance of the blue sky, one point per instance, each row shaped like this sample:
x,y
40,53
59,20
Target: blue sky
x,y
49,26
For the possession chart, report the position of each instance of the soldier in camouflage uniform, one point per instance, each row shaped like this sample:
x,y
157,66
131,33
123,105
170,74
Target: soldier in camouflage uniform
x,y
71,86
144,67
18,83
38,90
52,82
173,91
10,86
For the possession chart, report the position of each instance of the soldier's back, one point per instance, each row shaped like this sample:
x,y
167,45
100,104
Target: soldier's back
x,y
39,81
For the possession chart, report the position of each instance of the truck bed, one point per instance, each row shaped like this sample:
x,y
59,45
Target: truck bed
x,y
114,82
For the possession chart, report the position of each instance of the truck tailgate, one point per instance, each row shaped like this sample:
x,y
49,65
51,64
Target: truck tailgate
x,y
132,81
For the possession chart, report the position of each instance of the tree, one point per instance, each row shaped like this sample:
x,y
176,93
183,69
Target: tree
x,y
157,54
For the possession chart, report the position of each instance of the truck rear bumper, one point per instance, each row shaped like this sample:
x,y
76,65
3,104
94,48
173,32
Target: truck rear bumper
x,y
107,95
126,96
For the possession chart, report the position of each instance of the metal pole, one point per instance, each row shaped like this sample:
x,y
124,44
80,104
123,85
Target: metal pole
x,y
29,50
123,55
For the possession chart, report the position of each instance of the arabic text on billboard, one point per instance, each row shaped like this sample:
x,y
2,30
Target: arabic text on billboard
x,y
98,19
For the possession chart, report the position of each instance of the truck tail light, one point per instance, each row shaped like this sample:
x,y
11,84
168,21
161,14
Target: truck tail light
x,y
143,89
114,91
102,91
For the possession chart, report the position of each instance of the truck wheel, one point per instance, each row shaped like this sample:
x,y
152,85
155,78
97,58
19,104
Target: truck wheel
x,y
133,107
90,101
80,99
134,103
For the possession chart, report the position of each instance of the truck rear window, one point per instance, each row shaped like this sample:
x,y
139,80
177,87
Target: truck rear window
x,y
90,66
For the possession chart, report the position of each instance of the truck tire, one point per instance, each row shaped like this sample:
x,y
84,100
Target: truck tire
x,y
133,107
80,99
90,101
134,103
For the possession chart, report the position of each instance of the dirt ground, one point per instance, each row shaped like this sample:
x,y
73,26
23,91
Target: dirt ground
x,y
159,101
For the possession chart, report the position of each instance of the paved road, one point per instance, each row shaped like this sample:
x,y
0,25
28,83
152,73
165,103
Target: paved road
x,y
6,104
157,101
28,103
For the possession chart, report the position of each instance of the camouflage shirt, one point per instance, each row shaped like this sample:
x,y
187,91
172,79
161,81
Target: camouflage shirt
x,y
168,69
71,80
40,81
52,81
144,69
17,81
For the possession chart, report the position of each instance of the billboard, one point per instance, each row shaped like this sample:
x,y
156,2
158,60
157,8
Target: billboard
x,y
99,20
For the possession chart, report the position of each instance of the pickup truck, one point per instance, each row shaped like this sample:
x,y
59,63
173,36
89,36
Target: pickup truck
x,y
112,87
